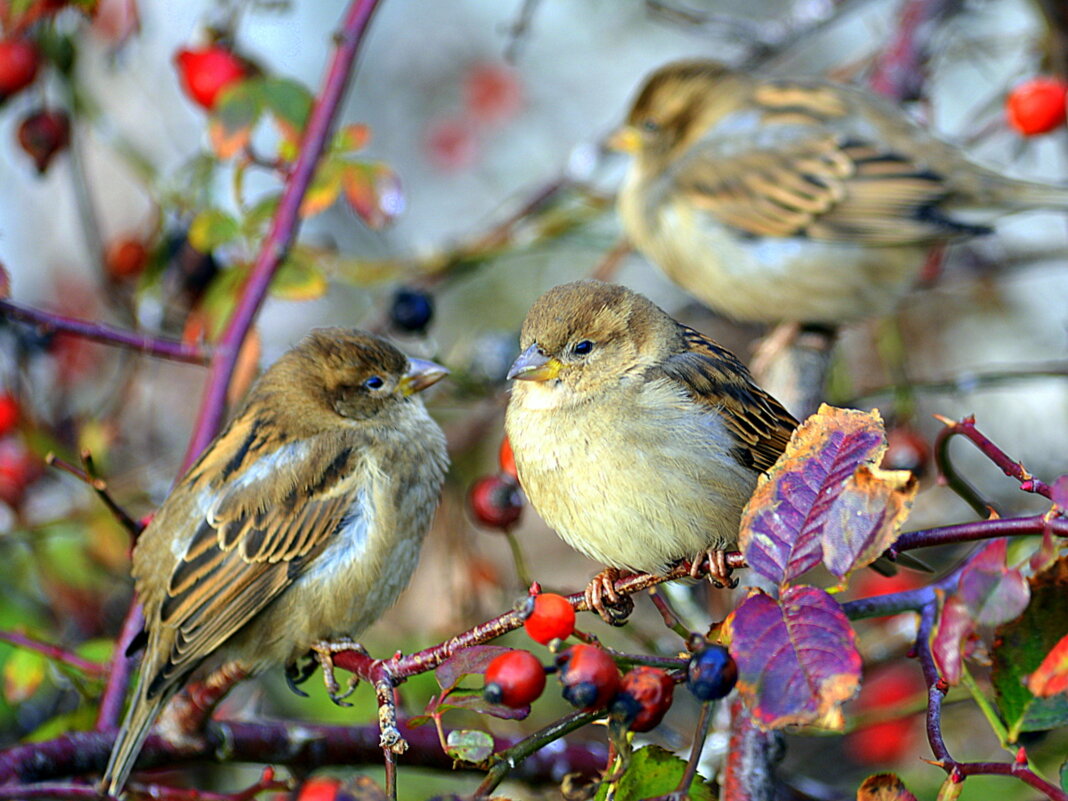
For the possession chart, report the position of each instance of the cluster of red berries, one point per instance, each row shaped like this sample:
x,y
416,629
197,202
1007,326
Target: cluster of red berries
x,y
44,132
590,678
18,466
496,501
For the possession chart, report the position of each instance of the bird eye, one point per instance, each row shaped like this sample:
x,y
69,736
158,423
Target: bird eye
x,y
583,347
374,382
649,125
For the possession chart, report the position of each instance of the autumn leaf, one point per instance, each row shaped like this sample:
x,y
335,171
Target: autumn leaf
x,y
797,657
1051,677
826,499
884,787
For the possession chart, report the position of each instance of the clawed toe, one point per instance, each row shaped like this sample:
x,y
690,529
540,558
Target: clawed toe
x,y
719,572
601,596
298,674
324,655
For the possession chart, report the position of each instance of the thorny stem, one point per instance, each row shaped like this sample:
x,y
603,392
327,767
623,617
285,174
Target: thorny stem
x,y
505,761
48,322
284,226
936,690
20,640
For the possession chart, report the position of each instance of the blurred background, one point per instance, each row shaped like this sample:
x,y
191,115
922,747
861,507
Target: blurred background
x,y
486,120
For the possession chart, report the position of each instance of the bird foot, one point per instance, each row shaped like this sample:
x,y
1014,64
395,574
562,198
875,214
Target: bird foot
x,y
601,596
389,736
719,572
323,652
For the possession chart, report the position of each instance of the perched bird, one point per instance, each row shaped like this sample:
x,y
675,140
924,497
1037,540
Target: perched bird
x,y
636,438
300,524
796,200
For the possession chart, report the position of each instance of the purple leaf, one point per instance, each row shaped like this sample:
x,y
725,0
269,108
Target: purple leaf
x,y
825,499
797,659
993,592
469,660
954,625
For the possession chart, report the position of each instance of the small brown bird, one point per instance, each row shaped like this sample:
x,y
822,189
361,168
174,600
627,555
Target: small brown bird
x,y
636,438
300,524
795,200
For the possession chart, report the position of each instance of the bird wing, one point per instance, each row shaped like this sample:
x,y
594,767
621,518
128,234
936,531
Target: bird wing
x,y
278,511
808,166
712,375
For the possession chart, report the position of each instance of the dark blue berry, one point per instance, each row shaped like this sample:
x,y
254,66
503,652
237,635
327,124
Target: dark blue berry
x,y
711,673
412,310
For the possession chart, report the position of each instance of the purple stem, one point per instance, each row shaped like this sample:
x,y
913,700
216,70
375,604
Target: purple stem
x,y
107,716
53,652
108,335
303,745
284,226
981,530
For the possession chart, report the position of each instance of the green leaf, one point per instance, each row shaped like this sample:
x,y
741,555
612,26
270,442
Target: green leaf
x,y
299,278
81,719
233,118
212,228
1020,647
24,671
470,745
289,103
324,189
351,138
652,772
260,214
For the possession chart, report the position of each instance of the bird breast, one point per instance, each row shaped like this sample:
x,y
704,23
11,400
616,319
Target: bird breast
x,y
636,479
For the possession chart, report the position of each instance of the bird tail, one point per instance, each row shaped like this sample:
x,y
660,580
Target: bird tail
x,y
1017,195
132,734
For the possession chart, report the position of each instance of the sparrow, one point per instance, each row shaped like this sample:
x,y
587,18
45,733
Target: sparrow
x,y
298,526
638,439
796,200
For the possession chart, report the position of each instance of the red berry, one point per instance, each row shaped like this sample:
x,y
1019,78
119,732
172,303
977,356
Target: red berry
x,y
495,502
43,134
506,459
451,144
9,413
589,675
19,60
125,258
889,740
18,469
644,698
206,71
1037,105
551,618
319,788
906,450
492,93
515,679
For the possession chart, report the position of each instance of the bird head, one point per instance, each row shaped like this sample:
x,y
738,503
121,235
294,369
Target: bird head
x,y
587,336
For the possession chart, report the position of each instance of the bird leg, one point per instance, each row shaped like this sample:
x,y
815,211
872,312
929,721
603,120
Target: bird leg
x,y
771,347
719,572
389,736
323,652
298,674
601,596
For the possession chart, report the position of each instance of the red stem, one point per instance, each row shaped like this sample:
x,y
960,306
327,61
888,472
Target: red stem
x,y
284,226
105,334
1009,466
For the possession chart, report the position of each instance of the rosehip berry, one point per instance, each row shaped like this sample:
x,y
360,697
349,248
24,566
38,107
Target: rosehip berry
x,y
19,61
9,413
43,134
644,698
506,459
451,144
492,93
18,469
206,71
411,310
711,673
890,740
589,675
319,788
496,502
551,618
906,450
125,258
515,679
1037,106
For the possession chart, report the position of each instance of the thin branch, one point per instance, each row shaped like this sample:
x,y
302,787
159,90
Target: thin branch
x,y
48,322
107,716
99,486
54,652
1009,466
284,226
